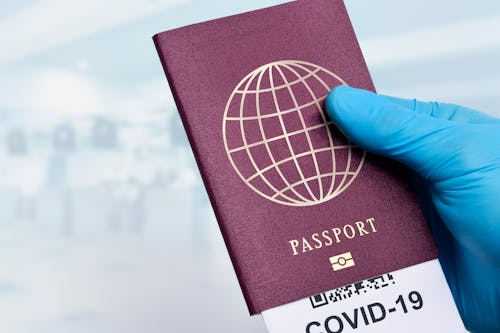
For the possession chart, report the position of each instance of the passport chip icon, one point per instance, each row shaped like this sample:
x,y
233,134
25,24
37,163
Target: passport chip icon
x,y
342,261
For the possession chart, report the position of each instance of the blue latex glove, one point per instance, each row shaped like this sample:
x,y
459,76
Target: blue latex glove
x,y
456,152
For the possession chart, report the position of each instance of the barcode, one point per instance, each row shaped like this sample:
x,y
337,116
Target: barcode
x,y
350,290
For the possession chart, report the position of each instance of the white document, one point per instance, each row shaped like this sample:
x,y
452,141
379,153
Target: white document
x,y
413,299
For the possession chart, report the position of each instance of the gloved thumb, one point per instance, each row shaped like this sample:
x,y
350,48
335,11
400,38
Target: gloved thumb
x,y
389,127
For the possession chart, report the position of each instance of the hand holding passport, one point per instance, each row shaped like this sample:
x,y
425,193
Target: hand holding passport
x,y
450,146
302,208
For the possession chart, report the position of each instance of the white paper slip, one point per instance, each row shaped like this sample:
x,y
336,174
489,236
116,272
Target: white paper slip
x,y
413,299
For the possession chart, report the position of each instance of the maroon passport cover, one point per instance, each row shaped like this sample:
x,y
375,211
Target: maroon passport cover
x,y
290,193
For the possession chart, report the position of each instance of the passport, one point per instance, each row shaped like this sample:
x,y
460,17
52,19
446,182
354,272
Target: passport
x,y
302,210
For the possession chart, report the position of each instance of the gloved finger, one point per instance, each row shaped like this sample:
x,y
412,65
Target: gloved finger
x,y
379,125
442,110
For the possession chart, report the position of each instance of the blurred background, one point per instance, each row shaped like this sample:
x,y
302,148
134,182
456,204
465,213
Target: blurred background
x,y
104,223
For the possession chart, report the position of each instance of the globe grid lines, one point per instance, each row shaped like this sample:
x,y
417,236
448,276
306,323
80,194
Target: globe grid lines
x,y
266,144
289,191
287,138
280,86
278,137
283,112
345,173
303,126
250,156
288,159
245,144
320,109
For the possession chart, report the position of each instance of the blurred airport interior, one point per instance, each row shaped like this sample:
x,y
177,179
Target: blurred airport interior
x,y
105,225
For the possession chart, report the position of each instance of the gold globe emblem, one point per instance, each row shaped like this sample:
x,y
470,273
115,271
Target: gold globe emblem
x,y
279,139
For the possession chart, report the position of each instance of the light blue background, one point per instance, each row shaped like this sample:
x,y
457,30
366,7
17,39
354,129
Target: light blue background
x,y
116,234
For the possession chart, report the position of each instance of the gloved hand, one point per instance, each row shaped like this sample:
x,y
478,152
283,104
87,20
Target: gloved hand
x,y
456,152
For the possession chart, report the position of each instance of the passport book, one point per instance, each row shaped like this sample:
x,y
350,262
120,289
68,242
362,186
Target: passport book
x,y
301,208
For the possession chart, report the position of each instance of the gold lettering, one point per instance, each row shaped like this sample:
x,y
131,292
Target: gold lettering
x,y
294,243
336,233
353,232
361,228
305,245
318,242
327,237
332,236
371,220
